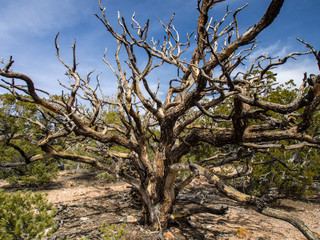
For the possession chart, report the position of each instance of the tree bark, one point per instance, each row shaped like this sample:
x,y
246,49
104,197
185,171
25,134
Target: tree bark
x,y
159,199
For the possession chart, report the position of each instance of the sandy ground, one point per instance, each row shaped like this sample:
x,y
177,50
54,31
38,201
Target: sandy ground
x,y
85,203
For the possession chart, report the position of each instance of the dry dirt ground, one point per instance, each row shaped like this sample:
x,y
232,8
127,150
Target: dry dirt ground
x,y
85,202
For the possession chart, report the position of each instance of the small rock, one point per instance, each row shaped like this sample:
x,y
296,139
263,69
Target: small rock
x,y
84,218
129,219
70,184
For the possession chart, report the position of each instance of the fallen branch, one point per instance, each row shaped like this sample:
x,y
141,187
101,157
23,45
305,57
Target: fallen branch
x,y
258,203
200,209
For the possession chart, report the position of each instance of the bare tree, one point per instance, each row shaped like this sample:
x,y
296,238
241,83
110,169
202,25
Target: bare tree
x,y
155,134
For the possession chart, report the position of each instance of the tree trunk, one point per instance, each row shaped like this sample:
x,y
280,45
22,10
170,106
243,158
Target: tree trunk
x,y
160,200
158,195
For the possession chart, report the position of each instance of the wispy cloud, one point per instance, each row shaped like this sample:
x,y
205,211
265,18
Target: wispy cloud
x,y
38,18
28,29
27,32
293,68
277,49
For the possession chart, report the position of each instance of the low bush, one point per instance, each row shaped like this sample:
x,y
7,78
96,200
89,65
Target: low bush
x,y
34,175
113,231
25,216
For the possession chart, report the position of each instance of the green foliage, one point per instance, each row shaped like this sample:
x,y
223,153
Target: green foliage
x,y
112,117
37,173
293,179
113,231
25,216
34,174
296,170
106,176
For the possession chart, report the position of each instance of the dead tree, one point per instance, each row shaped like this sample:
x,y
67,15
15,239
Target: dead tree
x,y
153,133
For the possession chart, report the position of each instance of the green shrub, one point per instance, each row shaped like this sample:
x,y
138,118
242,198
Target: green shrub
x,y
35,174
106,176
113,231
293,180
25,216
14,117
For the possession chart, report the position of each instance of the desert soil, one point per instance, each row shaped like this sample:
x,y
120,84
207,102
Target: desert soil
x,y
85,202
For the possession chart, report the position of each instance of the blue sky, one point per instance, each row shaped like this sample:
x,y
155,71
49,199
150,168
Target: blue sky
x,y
28,28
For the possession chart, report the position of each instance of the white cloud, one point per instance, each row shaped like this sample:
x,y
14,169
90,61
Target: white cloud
x,y
37,18
28,28
293,68
27,33
277,49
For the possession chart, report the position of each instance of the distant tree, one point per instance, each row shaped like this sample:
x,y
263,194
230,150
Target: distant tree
x,y
14,117
152,137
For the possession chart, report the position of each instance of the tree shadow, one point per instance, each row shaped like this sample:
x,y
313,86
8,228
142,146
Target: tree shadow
x,y
25,187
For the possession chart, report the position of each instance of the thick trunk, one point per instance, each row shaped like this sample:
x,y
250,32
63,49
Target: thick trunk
x,y
161,197
168,199
158,196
